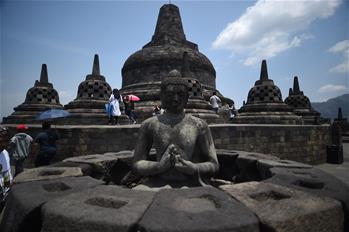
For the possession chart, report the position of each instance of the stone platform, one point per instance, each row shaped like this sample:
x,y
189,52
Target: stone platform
x,y
288,196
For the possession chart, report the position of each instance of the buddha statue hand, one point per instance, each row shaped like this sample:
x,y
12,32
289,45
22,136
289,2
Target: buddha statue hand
x,y
184,166
168,159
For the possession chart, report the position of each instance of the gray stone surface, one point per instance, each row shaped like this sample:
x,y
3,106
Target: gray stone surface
x,y
87,169
247,165
23,207
101,164
282,209
197,209
94,159
227,164
264,166
314,181
47,173
111,166
105,208
340,171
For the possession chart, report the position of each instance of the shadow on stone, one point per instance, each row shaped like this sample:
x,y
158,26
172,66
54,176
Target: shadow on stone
x,y
50,172
105,202
55,187
269,195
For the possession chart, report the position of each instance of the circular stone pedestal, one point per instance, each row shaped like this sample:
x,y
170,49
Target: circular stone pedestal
x,y
274,202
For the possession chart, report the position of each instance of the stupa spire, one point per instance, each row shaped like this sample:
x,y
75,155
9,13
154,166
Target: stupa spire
x,y
96,74
95,68
296,89
43,75
290,92
264,71
169,28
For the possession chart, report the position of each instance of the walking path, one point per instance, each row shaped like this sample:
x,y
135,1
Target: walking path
x,y
341,171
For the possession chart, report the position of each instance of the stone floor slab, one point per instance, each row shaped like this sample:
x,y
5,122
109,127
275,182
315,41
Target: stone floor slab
x,y
47,173
23,206
282,209
200,209
105,208
314,181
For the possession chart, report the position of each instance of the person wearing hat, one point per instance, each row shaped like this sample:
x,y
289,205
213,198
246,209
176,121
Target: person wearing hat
x,y
20,147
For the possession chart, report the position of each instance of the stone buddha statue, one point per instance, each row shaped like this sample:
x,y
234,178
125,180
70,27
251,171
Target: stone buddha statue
x,y
183,143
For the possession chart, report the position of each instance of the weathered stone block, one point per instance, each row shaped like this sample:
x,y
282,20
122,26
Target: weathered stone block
x,y
23,205
105,208
47,173
86,169
282,209
247,165
314,181
265,165
197,209
227,164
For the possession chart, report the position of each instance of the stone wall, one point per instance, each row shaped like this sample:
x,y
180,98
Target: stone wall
x,y
304,143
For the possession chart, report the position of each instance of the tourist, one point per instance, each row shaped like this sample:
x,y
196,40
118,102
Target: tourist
x,y
157,110
47,142
184,145
115,112
5,168
214,102
129,109
20,147
232,110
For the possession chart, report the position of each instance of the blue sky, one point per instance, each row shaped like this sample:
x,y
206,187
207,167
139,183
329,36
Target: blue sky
x,y
304,38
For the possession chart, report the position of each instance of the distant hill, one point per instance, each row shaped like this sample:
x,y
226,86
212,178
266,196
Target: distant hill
x,y
329,109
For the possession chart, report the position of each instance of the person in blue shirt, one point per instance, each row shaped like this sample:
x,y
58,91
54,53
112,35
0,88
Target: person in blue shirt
x,y
47,145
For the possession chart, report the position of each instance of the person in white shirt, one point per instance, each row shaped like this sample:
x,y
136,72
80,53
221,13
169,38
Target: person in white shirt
x,y
232,110
214,102
20,147
5,173
114,101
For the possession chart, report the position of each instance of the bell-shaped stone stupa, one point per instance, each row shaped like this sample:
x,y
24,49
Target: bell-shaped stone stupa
x,y
301,104
42,96
264,104
144,70
196,105
89,104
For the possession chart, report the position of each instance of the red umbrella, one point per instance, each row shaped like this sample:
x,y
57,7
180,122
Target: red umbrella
x,y
132,97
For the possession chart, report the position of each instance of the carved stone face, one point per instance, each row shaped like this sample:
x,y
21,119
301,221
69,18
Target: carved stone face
x,y
174,98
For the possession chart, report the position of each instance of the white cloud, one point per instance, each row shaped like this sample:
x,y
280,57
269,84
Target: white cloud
x,y
332,88
343,48
65,97
271,27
